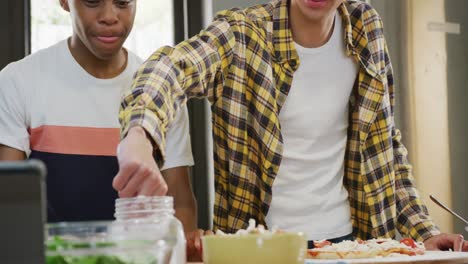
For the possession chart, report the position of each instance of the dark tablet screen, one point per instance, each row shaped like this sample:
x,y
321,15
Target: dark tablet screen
x,y
22,212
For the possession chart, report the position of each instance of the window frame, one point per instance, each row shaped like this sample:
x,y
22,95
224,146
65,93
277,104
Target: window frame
x,y
16,27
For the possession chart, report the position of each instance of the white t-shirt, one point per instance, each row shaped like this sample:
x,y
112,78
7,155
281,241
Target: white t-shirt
x,y
53,110
308,192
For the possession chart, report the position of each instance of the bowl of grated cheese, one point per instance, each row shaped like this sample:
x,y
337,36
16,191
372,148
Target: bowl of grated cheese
x,y
255,245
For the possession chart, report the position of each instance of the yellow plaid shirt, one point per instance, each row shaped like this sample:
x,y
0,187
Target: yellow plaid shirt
x,y
244,63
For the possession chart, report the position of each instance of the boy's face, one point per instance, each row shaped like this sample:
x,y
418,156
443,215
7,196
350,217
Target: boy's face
x,y
317,10
102,25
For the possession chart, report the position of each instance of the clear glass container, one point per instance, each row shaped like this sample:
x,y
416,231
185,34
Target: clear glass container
x,y
150,218
145,232
91,243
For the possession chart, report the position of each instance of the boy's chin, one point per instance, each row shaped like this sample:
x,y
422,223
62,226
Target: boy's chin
x,y
107,55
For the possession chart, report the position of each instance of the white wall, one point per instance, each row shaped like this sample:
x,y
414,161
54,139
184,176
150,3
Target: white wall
x,y
427,61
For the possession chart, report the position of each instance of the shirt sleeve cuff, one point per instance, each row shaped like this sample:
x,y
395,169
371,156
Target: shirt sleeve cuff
x,y
19,144
186,161
155,129
430,233
426,231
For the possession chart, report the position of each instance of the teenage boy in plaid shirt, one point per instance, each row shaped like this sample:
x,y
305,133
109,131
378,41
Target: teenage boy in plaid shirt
x,y
302,99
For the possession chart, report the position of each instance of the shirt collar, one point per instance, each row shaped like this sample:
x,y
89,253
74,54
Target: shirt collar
x,y
355,36
356,39
283,42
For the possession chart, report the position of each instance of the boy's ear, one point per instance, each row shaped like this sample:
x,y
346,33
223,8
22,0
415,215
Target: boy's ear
x,y
64,4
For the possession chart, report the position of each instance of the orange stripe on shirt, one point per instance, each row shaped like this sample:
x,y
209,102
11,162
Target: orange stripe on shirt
x,y
75,140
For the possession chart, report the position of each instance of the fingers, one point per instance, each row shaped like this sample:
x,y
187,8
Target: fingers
x,y
465,246
457,242
126,170
138,172
134,183
197,239
153,184
138,179
194,239
445,242
194,246
451,241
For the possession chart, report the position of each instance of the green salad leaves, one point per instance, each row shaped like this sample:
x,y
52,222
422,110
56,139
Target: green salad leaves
x,y
57,249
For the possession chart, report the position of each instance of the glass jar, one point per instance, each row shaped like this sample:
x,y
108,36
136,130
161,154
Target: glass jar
x,y
146,218
90,243
145,232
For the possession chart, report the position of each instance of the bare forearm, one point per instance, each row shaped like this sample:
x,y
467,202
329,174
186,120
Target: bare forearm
x,y
185,205
187,214
11,154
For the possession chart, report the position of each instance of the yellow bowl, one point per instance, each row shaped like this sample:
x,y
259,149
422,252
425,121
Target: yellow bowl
x,y
284,248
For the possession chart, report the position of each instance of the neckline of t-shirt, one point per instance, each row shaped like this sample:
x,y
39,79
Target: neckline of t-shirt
x,y
337,28
87,76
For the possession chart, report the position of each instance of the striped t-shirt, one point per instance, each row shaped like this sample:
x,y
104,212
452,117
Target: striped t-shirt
x,y
55,111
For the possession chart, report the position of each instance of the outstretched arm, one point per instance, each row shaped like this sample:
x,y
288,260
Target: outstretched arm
x,y
413,217
194,68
